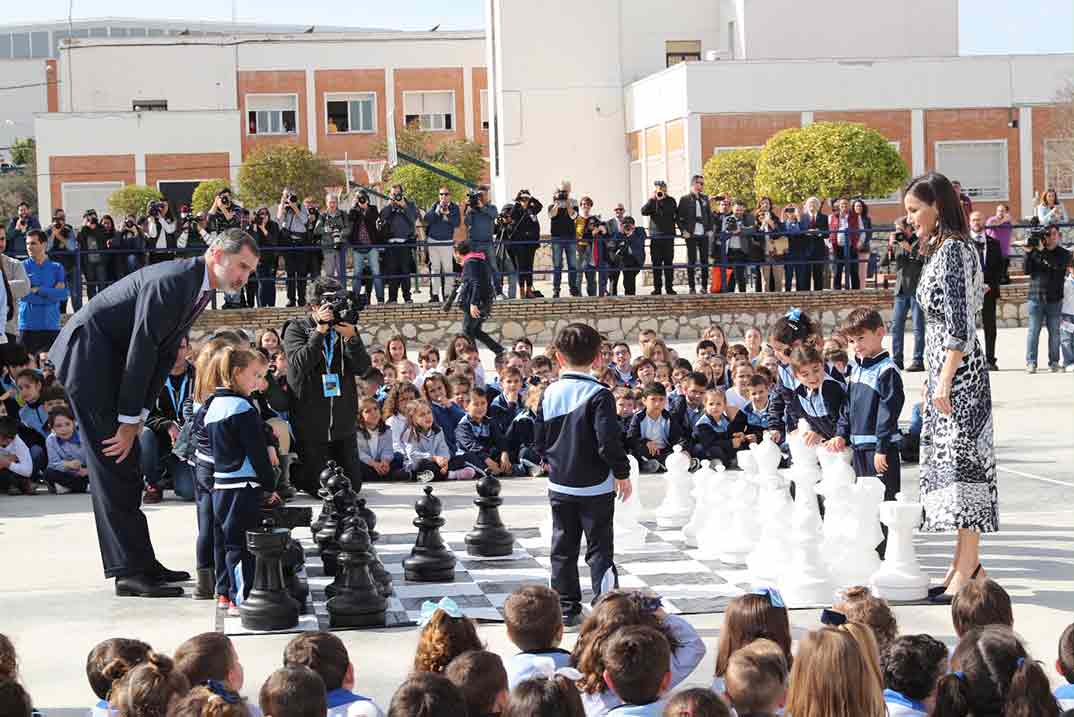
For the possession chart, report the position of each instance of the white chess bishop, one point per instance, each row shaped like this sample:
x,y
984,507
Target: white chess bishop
x,y
630,534
678,506
805,582
900,576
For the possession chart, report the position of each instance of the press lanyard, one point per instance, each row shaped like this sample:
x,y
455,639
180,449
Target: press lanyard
x,y
182,393
329,350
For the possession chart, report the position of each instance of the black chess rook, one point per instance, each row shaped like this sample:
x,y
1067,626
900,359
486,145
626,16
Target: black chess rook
x,y
269,605
489,538
430,559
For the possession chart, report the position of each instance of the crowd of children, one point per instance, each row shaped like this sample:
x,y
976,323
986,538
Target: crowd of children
x,y
628,658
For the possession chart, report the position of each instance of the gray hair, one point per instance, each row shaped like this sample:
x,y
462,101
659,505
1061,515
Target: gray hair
x,y
233,241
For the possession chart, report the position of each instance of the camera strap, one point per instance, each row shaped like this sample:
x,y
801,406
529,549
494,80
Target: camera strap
x,y
329,349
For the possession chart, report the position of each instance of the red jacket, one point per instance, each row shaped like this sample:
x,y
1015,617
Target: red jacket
x,y
852,232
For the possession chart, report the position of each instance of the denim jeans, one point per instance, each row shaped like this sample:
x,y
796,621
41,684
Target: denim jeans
x,y
1066,342
370,258
154,466
1043,314
906,304
568,246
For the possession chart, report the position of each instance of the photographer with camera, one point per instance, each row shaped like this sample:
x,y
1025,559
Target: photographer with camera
x,y
190,232
397,221
441,221
91,240
903,249
160,231
627,245
267,235
62,246
738,229
476,294
224,213
563,211
292,217
23,221
504,228
325,356
1046,263
330,232
663,213
130,243
695,223
592,235
526,218
365,241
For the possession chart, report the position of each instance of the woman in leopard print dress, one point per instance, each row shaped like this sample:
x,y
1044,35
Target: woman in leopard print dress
x,y
958,461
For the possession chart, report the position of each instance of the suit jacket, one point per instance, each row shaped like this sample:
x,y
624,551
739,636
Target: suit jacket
x,y
688,218
816,234
133,329
993,267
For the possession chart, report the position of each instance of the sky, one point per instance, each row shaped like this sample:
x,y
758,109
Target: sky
x,y
986,26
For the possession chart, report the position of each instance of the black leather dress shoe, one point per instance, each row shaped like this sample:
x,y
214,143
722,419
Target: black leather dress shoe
x,y
162,574
145,586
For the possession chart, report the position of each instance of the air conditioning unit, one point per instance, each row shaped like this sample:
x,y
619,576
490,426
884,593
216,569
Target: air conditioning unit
x,y
716,55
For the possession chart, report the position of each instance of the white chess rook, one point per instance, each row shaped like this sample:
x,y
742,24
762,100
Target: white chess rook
x,y
900,576
678,506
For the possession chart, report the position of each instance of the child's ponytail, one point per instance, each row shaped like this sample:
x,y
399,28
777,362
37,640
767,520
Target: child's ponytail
x,y
792,327
1030,694
952,696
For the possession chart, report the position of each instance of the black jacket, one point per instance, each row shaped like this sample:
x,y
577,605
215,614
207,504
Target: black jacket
x,y
1046,271
662,216
168,410
714,439
818,234
368,218
527,222
677,435
313,415
908,266
476,284
688,219
992,264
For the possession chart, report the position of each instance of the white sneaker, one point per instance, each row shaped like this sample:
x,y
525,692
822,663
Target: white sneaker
x,y
425,476
1030,368
532,468
466,473
1069,368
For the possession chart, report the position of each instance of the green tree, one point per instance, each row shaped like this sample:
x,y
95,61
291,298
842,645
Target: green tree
x,y
23,151
205,192
733,173
132,199
267,172
18,187
422,186
828,159
468,157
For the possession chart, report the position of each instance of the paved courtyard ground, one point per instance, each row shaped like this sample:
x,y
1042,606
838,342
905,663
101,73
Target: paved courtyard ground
x,y
55,605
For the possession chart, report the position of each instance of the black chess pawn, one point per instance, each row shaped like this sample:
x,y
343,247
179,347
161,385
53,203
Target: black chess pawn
x,y
294,558
366,513
338,488
357,601
269,606
489,538
430,560
330,470
380,574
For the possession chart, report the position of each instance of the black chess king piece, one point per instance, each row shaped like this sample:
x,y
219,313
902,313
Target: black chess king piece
x,y
489,538
430,560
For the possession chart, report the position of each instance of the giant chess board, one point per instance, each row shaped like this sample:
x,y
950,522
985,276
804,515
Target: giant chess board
x,y
688,584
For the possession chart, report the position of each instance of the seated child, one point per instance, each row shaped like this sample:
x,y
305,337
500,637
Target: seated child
x,y
406,371
817,399
861,606
836,360
621,363
1064,665
543,696
479,440
625,407
739,394
16,463
293,692
757,679
912,665
510,402
757,409
66,470
210,659
663,375
426,694
377,358
325,654
429,362
53,396
402,393
205,702
425,449
375,450
636,659
445,412
544,370
460,393
372,381
689,407
980,603
445,635
480,676
148,688
748,617
534,624
387,373
696,702
107,662
33,416
521,435
644,372
653,430
717,437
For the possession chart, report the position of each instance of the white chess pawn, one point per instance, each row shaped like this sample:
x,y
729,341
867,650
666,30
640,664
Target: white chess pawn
x,y
900,576
678,506
767,561
805,582
630,534
856,554
704,480
711,536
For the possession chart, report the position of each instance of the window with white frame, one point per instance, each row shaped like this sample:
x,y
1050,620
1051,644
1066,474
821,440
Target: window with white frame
x,y
272,114
1059,166
430,111
484,109
981,167
350,112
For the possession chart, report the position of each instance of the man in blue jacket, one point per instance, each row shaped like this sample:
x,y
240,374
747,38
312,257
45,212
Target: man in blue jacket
x,y
441,221
39,310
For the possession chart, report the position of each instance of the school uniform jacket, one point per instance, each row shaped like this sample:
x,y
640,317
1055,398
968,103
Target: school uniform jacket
x,y
578,434
523,666
236,434
870,416
60,450
448,417
820,409
713,438
756,421
686,415
502,412
424,446
482,439
522,433
676,435
344,703
378,448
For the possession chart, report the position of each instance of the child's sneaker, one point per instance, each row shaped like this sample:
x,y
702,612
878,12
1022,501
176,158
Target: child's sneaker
x,y
532,468
223,602
650,465
26,487
466,473
51,486
233,610
426,476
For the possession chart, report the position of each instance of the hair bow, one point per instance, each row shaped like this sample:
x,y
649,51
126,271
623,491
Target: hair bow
x,y
795,314
546,667
1019,662
429,608
959,675
772,594
221,690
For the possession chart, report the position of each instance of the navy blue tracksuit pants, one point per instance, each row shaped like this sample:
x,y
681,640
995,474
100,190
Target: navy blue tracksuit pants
x,y
573,516
237,510
210,545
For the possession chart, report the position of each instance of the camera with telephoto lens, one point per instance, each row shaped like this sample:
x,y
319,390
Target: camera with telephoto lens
x,y
730,224
473,199
346,306
225,200
1036,234
560,196
154,209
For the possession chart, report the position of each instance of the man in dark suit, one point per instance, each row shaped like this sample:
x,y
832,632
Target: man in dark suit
x,y
815,223
112,357
695,223
992,264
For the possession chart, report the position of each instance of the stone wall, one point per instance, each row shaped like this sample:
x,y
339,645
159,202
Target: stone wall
x,y
677,318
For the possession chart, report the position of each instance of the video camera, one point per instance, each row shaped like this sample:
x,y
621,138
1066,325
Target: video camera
x,y
154,209
559,195
1036,234
346,306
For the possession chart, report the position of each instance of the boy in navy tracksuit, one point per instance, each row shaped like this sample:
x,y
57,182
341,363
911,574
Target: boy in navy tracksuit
x,y
654,431
578,433
479,440
716,436
242,473
869,420
818,398
509,403
756,411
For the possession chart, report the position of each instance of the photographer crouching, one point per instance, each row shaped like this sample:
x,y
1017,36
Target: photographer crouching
x,y
475,294
325,356
1046,263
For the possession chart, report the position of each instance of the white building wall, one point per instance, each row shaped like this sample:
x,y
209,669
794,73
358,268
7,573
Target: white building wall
x,y
792,29
387,50
137,133
20,104
644,29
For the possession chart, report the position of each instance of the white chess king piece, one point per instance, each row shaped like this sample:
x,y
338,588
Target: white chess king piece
x,y
768,560
704,480
900,576
857,558
745,532
805,582
677,507
630,534
711,536
766,455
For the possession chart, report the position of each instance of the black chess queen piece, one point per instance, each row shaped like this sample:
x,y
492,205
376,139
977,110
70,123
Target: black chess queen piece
x,y
330,470
357,601
430,560
269,606
380,574
489,538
